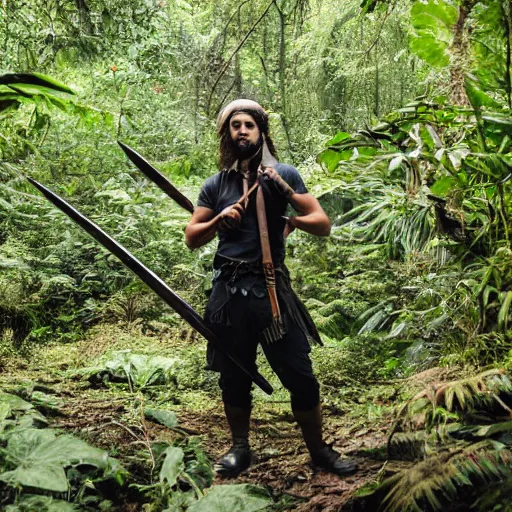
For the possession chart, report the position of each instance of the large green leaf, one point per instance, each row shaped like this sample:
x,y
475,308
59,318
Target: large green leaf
x,y
35,79
478,97
330,159
340,136
495,428
40,456
431,50
34,502
433,15
172,466
14,411
141,370
14,403
504,313
443,186
16,88
228,498
47,476
167,418
433,22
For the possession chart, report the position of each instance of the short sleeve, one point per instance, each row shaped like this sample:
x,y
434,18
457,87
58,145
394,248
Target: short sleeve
x,y
208,194
292,176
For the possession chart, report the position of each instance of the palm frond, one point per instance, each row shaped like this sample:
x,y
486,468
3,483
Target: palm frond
x,y
377,316
34,79
466,392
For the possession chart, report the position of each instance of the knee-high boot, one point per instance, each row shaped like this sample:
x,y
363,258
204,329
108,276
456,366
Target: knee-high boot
x,y
238,458
322,455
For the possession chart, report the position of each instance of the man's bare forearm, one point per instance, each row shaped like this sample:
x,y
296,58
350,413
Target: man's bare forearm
x,y
199,234
312,218
316,223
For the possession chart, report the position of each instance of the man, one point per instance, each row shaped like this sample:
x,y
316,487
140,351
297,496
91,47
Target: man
x,y
249,305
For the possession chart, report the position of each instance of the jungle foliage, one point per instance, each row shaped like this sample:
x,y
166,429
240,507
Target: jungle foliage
x,y
39,466
431,187
398,113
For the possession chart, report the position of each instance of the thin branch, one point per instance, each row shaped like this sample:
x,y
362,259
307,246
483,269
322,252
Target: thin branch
x,y
502,403
228,62
224,31
128,429
376,40
191,481
146,442
225,96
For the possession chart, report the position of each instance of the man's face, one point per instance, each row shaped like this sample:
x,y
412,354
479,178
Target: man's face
x,y
245,134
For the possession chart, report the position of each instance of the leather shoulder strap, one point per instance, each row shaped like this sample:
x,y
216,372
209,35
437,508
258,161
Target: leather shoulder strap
x,y
276,330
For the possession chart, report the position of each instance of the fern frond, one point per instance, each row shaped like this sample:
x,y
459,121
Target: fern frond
x,y
314,303
7,264
409,488
407,446
462,394
333,318
336,306
465,393
444,478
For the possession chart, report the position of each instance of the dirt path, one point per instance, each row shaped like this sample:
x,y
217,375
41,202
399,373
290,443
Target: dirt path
x,y
281,462
112,418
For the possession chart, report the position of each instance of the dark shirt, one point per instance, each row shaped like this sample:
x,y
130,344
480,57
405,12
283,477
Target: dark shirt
x,y
243,244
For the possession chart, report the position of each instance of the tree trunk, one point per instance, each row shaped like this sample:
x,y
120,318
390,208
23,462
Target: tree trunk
x,y
507,17
460,55
238,74
265,52
282,72
237,49
197,99
85,16
376,106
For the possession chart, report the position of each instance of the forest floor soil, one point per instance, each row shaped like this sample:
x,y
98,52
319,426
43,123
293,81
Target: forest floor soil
x,y
112,418
280,463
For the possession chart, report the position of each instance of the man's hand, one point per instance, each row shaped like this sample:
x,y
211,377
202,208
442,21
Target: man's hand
x,y
204,224
271,174
231,217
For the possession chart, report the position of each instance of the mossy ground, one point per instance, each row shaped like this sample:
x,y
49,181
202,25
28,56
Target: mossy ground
x,y
357,415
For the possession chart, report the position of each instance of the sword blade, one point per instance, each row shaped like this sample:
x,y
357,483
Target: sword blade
x,y
157,177
151,279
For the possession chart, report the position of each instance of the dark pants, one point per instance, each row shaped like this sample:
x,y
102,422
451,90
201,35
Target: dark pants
x,y
288,357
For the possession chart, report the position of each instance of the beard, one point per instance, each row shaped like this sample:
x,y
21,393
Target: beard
x,y
244,149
